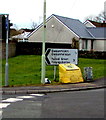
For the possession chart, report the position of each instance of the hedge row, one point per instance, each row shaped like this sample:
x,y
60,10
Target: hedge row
x,y
26,48
92,54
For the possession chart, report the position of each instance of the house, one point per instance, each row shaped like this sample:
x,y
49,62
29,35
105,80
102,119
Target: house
x,y
22,30
20,35
90,23
64,30
98,31
14,32
23,37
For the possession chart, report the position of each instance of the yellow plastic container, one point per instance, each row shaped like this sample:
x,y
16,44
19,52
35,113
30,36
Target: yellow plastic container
x,y
70,73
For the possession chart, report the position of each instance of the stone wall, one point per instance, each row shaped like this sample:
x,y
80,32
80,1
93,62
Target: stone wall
x,y
11,49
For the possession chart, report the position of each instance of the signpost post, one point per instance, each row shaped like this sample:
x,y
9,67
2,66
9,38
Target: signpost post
x,y
54,73
43,45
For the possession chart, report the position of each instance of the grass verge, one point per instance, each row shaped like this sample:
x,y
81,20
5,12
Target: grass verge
x,y
26,69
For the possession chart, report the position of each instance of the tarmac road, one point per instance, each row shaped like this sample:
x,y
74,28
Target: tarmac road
x,y
73,104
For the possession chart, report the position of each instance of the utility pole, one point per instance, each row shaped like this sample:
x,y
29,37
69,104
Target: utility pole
x,y
6,65
43,45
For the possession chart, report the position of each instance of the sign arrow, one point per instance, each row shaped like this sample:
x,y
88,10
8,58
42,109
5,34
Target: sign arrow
x,y
47,53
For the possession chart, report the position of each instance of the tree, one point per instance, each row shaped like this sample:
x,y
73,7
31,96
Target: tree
x,y
100,18
33,25
75,43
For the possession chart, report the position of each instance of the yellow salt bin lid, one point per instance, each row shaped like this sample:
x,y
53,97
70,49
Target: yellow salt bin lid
x,y
70,66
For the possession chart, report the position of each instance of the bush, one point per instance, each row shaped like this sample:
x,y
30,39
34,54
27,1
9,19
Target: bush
x,y
92,54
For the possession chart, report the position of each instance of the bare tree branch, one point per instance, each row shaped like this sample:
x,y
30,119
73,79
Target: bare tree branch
x,y
33,25
100,18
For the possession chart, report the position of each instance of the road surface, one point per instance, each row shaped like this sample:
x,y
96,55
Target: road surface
x,y
76,104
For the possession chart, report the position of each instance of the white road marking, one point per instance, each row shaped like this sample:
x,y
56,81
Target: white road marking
x,y
18,98
12,100
1,114
4,105
37,94
25,97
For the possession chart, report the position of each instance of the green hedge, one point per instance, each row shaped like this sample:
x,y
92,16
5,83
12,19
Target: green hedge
x,y
92,54
27,48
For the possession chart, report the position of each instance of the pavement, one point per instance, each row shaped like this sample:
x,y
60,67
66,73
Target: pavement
x,y
48,88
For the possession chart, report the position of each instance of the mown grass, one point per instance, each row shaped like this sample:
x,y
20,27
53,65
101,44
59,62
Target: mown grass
x,y
26,69
97,65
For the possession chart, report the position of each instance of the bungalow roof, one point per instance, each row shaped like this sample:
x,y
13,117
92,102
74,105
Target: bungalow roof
x,y
77,27
98,32
98,24
22,36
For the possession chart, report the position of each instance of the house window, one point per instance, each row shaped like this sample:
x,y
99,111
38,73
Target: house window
x,y
92,44
83,44
86,44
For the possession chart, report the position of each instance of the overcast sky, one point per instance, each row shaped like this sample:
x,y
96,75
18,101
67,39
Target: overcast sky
x,y
23,12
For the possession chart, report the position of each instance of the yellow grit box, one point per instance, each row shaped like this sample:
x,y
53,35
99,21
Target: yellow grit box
x,y
70,73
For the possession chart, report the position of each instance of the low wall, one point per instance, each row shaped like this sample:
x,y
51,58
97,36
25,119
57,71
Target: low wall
x,y
11,49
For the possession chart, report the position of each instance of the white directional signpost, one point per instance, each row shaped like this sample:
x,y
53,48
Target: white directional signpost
x,y
61,56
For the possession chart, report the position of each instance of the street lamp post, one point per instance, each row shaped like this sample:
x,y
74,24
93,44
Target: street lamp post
x,y
43,45
6,65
